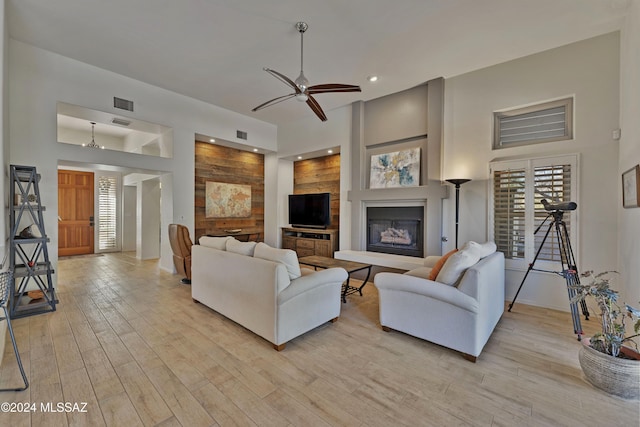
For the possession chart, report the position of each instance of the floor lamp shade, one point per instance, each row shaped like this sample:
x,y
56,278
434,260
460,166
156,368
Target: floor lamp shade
x,y
457,183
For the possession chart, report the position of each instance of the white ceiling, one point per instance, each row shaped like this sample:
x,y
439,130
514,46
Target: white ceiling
x,y
214,50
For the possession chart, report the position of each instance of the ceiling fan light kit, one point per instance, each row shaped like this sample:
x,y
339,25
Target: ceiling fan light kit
x,y
302,91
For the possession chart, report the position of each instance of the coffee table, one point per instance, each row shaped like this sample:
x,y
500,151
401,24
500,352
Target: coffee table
x,y
316,262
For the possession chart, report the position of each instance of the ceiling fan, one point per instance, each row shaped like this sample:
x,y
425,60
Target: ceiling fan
x,y
302,91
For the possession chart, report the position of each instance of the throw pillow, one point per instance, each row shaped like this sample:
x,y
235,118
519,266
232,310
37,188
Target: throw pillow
x,y
435,270
219,243
283,256
455,267
481,249
242,248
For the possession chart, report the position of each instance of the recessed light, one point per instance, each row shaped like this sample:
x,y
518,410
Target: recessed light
x,y
372,79
212,140
329,151
299,157
255,150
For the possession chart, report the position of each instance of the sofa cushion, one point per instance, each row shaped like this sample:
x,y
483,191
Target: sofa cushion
x,y
431,260
482,250
283,256
219,243
242,248
435,270
422,272
455,266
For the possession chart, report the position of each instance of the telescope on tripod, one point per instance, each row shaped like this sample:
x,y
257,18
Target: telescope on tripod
x,y
569,269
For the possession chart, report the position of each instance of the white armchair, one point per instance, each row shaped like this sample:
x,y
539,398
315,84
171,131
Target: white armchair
x,y
459,317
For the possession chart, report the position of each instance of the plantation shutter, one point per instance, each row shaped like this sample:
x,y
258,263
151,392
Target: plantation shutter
x,y
554,184
107,212
517,188
509,211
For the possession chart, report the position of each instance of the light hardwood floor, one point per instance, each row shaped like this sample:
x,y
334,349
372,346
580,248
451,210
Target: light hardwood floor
x,y
128,340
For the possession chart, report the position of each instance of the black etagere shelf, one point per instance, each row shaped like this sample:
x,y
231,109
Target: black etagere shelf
x,y
32,290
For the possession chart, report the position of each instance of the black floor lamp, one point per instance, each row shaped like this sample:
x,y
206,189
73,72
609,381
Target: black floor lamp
x,y
457,183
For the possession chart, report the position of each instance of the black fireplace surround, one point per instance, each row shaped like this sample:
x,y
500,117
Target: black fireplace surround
x,y
396,230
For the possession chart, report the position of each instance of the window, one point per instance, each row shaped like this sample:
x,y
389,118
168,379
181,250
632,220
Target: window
x,y
517,190
546,122
107,213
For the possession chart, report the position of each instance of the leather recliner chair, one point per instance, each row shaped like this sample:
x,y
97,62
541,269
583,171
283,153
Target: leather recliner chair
x,y
181,247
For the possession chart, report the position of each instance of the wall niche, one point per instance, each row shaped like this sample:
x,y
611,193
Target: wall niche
x,y
216,163
320,175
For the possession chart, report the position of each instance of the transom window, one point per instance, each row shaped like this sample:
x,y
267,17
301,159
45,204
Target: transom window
x,y
546,122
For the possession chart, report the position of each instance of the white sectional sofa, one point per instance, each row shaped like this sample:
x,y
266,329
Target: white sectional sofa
x,y
263,288
458,309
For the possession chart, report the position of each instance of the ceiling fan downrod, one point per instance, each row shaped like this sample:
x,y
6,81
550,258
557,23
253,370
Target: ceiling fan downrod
x,y
301,81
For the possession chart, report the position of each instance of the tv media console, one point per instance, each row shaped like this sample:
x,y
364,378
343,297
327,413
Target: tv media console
x,y
310,241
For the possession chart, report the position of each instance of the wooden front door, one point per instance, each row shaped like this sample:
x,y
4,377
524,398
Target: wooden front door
x,y
75,213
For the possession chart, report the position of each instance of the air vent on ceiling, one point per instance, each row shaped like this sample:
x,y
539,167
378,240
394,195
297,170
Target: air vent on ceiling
x,y
241,135
120,122
122,104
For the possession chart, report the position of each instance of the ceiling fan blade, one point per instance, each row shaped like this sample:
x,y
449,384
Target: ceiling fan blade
x,y
286,80
274,101
333,87
311,102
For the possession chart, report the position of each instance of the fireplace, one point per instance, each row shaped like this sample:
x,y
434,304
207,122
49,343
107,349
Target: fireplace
x,y
396,230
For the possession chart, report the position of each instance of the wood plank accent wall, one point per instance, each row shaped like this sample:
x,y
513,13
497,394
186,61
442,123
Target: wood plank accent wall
x,y
320,175
223,164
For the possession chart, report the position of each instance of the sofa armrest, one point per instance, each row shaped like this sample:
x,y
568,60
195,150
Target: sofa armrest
x,y
395,282
309,281
485,279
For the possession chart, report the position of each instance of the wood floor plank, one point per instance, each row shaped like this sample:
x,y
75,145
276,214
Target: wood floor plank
x,y
80,403
289,380
119,411
184,406
67,353
254,407
292,410
148,403
221,408
127,337
103,377
47,393
113,347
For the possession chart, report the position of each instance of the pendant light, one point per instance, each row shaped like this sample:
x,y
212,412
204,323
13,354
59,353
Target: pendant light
x,y
93,144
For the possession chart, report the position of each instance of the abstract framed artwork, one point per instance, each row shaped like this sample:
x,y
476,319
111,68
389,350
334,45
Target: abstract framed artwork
x,y
224,200
631,187
396,169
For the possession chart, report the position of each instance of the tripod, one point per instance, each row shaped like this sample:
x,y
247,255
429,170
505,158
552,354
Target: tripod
x,y
569,269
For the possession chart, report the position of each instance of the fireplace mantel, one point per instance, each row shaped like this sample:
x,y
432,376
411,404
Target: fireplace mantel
x,y
429,196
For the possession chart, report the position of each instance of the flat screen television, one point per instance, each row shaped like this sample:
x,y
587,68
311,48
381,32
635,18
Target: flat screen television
x,y
310,210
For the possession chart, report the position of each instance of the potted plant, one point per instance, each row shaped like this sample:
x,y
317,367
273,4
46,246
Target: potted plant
x,y
607,359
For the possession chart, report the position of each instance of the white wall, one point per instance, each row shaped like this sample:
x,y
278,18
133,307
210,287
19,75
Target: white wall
x,y
588,70
75,136
148,219
629,156
129,226
38,79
